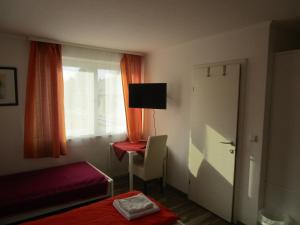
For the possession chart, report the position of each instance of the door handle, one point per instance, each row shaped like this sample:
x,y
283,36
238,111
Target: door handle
x,y
227,143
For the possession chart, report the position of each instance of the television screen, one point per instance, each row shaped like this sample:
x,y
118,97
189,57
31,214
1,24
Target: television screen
x,y
148,95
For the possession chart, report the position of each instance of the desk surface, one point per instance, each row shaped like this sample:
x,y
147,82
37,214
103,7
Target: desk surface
x,y
128,146
120,148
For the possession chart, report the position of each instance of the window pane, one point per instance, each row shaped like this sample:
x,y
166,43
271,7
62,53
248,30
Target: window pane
x,y
94,103
110,112
79,101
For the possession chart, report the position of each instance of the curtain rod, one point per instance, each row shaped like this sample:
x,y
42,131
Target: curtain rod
x,y
31,38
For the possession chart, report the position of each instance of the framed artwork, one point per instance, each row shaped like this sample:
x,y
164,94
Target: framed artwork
x,y
8,86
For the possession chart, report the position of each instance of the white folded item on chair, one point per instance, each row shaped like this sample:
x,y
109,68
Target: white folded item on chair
x,y
131,216
134,204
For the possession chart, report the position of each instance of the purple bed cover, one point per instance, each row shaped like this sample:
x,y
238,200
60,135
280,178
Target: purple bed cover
x,y
51,186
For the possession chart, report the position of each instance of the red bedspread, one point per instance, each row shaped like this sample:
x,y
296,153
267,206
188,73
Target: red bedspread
x,y
103,213
51,186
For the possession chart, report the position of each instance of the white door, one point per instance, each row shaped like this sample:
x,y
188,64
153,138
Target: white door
x,y
213,135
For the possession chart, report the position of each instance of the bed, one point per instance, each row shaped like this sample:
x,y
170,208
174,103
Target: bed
x,y
103,213
30,194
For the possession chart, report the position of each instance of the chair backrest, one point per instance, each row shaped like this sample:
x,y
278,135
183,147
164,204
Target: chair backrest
x,y
155,155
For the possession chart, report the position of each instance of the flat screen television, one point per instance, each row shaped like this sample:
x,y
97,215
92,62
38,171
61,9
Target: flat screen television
x,y
148,95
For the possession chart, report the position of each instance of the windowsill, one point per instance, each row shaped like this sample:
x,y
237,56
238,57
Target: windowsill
x,y
86,137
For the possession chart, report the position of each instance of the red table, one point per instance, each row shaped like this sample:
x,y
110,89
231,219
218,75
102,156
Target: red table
x,y
123,147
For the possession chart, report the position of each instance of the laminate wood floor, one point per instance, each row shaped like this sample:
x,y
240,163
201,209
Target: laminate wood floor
x,y
189,212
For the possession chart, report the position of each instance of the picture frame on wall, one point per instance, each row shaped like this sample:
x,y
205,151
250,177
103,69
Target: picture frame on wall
x,y
8,86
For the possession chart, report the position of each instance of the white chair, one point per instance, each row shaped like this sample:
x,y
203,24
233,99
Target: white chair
x,y
152,165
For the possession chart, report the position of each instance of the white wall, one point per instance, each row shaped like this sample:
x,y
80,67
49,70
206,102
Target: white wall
x,y
174,65
14,52
282,181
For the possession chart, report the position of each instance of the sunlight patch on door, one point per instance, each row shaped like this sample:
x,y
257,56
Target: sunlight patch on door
x,y
195,158
217,153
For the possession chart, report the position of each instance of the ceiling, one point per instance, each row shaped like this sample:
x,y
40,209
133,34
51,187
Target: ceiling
x,y
137,25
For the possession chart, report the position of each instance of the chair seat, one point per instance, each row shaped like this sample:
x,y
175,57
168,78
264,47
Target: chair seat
x,y
138,167
138,160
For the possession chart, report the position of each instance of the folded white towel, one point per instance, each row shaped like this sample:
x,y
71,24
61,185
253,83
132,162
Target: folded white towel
x,y
134,204
132,216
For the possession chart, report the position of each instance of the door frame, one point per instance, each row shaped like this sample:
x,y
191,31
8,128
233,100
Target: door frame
x,y
240,125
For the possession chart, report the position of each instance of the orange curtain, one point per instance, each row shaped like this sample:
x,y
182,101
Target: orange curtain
x,y
44,131
131,73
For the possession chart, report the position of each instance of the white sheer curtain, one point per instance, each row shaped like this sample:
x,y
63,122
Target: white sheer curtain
x,y
94,104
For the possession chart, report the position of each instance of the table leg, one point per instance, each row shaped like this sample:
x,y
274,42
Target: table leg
x,y
109,158
165,169
130,164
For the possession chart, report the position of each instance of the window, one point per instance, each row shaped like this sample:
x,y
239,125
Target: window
x,y
94,104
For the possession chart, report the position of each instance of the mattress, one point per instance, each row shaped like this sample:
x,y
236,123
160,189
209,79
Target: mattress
x,y
104,213
51,186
